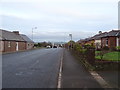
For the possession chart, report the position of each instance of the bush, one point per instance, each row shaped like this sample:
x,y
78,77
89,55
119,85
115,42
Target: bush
x,y
77,47
88,47
106,48
112,49
118,47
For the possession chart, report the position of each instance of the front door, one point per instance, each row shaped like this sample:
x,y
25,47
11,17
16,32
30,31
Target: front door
x,y
16,46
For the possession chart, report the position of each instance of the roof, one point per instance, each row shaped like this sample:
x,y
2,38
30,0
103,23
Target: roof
x,y
7,35
112,33
26,38
118,34
98,36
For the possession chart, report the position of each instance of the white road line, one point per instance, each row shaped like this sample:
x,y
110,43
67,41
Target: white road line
x,y
100,80
60,74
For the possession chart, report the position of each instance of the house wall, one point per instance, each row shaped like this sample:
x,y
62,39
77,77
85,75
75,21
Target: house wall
x,y
103,42
21,46
29,45
111,42
118,41
10,46
1,46
97,44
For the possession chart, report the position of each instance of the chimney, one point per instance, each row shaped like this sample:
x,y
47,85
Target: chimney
x,y
100,32
16,32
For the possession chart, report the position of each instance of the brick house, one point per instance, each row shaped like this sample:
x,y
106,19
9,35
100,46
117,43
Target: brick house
x,y
11,41
87,41
111,39
97,39
28,41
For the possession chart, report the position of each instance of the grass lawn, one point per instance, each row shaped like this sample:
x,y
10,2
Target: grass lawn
x,y
112,56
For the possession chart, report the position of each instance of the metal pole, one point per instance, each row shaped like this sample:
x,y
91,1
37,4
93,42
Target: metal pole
x,y
32,34
70,40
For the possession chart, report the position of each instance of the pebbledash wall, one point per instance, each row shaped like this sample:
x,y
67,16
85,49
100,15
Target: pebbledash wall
x,y
12,46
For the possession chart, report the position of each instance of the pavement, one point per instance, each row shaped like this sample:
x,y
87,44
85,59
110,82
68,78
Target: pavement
x,y
111,77
74,75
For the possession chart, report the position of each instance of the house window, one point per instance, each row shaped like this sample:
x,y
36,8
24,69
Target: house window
x,y
106,42
9,44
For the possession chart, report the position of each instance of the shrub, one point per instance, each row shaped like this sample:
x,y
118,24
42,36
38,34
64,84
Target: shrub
x,y
77,47
88,46
106,48
118,47
112,49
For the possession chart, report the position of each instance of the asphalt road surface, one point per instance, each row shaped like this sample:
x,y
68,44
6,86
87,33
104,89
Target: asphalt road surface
x,y
31,69
40,69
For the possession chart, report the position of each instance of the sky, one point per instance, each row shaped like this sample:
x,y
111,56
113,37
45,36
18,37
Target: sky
x,y
56,19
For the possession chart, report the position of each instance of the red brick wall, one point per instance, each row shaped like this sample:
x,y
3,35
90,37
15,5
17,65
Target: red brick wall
x,y
12,48
112,42
21,46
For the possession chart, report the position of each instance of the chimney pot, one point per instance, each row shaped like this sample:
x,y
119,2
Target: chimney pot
x,y
16,32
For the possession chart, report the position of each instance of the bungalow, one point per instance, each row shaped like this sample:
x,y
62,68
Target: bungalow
x,y
111,39
89,41
12,41
29,42
97,39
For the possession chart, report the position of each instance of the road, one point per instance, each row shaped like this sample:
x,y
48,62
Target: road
x,y
31,69
40,69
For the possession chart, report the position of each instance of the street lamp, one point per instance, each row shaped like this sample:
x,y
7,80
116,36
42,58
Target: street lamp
x,y
32,32
70,35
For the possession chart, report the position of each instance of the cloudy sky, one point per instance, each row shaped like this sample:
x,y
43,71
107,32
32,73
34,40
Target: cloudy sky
x,y
56,19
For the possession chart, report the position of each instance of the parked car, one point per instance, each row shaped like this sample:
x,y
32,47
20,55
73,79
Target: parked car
x,y
54,46
48,46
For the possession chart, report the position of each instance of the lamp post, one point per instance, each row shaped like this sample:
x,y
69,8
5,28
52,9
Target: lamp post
x,y
32,32
70,40
70,36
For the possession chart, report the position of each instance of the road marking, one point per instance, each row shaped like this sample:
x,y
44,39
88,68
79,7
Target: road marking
x,y
100,80
60,73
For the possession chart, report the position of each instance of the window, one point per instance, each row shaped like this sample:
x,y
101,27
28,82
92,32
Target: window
x,y
106,42
9,44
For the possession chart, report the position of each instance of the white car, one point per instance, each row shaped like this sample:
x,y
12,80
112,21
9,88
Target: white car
x,y
48,46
